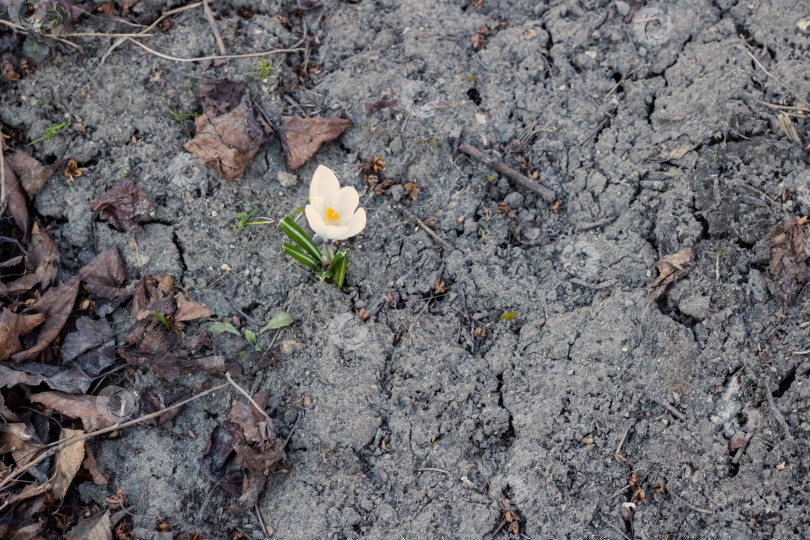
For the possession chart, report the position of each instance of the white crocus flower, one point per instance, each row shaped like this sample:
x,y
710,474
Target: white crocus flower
x,y
332,211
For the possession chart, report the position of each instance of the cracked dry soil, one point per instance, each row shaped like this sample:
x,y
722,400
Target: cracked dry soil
x,y
415,425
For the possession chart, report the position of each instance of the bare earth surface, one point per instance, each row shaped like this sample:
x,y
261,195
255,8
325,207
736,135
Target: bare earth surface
x,y
417,422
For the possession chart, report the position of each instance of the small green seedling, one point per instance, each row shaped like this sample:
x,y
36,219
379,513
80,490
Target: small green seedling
x,y
123,173
243,220
279,320
805,426
51,132
508,316
219,328
262,69
162,319
182,118
250,337
724,251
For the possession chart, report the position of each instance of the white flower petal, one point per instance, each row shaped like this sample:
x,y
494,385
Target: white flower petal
x,y
319,205
337,232
346,203
357,223
316,222
324,184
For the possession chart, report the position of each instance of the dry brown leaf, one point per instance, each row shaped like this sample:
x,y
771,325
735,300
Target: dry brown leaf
x,y
97,527
8,72
91,410
31,173
105,274
788,271
189,310
15,199
20,441
91,466
56,304
671,268
301,138
12,326
43,256
67,463
71,379
121,204
227,142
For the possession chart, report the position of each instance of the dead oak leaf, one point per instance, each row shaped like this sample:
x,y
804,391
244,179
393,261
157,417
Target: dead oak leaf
x,y
56,304
301,138
189,310
15,199
671,268
97,527
121,204
31,173
67,463
12,327
788,270
91,410
227,142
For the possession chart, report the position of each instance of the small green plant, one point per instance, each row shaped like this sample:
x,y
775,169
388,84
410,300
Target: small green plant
x,y
182,118
508,316
51,132
162,319
724,251
805,426
244,220
262,69
280,320
123,173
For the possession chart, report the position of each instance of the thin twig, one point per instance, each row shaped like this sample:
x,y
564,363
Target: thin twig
x,y
433,469
521,180
778,415
690,505
204,58
784,107
103,34
2,177
618,530
768,73
244,393
60,445
210,15
261,521
597,286
675,412
410,215
57,38
151,26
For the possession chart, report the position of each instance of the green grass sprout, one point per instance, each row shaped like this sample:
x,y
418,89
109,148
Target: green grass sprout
x,y
244,220
51,132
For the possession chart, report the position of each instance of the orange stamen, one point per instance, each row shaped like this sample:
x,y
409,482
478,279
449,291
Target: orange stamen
x,y
332,216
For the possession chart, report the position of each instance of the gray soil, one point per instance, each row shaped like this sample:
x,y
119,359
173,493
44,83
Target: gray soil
x,y
412,424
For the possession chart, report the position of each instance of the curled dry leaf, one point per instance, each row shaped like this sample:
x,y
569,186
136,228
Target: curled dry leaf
x,y
72,379
788,271
671,268
89,335
31,173
43,256
227,142
56,304
148,292
67,463
73,170
121,204
12,327
15,198
91,466
105,274
97,527
302,137
20,441
91,410
189,310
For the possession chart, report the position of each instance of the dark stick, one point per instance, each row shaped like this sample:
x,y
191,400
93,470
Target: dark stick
x,y
410,215
521,180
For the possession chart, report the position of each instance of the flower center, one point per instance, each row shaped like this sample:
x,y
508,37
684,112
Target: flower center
x,y
331,216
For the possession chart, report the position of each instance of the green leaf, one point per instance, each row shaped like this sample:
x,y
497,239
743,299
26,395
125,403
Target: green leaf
x,y
279,320
163,320
35,49
242,355
297,235
340,264
508,316
325,275
218,328
805,426
250,336
300,256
